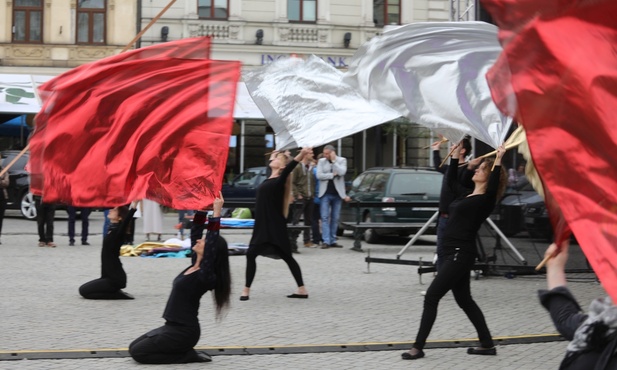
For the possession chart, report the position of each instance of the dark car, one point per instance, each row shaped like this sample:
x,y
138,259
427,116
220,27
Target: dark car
x,y
389,184
244,186
19,188
523,210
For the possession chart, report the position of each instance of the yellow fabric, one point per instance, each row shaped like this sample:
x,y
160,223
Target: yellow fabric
x,y
134,251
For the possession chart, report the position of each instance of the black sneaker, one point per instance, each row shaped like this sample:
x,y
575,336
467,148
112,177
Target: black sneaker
x,y
334,245
71,244
85,243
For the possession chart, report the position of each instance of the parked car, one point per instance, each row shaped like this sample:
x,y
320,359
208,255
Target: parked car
x,y
523,210
19,187
243,187
392,184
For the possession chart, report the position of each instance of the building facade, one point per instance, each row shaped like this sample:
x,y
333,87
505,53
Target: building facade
x,y
62,34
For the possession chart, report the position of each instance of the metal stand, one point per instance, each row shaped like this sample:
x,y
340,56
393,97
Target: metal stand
x,y
418,234
488,220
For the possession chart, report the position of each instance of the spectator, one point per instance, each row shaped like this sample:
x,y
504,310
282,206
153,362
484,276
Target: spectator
x,y
302,190
331,170
85,214
592,336
4,183
316,213
153,218
45,214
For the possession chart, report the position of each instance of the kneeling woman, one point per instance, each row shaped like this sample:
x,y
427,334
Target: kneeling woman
x,y
173,342
113,277
466,215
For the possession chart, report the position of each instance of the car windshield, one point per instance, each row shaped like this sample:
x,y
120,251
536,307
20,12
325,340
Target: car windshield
x,y
415,184
247,177
17,166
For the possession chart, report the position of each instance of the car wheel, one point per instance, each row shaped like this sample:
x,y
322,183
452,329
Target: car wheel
x,y
28,206
370,236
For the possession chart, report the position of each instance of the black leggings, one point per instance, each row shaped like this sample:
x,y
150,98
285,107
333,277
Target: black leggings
x,y
102,288
251,263
454,275
169,344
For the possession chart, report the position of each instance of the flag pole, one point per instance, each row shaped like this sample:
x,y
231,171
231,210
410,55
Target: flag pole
x,y
138,36
128,46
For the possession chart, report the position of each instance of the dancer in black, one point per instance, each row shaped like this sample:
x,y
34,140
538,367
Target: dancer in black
x,y
270,231
173,342
467,213
113,277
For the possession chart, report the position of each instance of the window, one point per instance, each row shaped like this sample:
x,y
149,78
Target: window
x,y
302,10
213,9
386,12
28,21
91,21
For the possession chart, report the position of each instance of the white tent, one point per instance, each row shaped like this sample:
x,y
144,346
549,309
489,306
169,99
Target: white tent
x,y
18,95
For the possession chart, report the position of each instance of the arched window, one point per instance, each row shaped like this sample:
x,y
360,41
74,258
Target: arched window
x,y
28,21
91,21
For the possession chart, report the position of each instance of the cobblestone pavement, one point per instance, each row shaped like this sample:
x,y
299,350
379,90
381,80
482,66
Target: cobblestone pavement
x,y
43,312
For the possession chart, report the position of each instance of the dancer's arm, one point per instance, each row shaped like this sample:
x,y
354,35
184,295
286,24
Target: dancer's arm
x,y
493,181
206,270
129,217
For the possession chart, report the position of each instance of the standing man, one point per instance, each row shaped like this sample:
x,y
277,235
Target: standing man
x,y
302,190
85,214
45,214
331,171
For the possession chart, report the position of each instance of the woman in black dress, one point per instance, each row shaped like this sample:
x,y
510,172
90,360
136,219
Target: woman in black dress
x,y
113,277
173,342
466,215
270,230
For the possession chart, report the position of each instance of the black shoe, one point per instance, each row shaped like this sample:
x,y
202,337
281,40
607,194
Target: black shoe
x,y
325,246
295,251
301,296
482,351
124,295
357,249
409,356
85,243
203,357
334,245
71,244
244,298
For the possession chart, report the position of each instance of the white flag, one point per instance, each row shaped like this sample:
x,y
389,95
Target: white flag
x,y
307,104
434,74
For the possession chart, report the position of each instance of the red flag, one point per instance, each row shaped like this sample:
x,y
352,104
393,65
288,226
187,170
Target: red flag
x,y
558,76
154,127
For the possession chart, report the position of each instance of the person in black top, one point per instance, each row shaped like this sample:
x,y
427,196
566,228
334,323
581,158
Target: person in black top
x,y
592,336
467,213
173,342
446,196
270,230
113,277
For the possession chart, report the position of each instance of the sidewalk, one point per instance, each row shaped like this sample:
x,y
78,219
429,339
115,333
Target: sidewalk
x,y
43,312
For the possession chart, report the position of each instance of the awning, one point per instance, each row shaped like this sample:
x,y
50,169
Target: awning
x,y
18,95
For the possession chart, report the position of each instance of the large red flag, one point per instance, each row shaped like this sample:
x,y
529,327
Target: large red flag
x,y
154,127
558,76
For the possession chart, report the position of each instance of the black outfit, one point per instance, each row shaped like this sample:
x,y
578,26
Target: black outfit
x,y
85,222
3,199
270,236
567,317
173,342
466,215
446,197
45,214
113,277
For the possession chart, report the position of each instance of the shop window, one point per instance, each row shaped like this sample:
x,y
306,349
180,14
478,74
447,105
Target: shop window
x,y
213,9
386,12
28,21
91,19
302,10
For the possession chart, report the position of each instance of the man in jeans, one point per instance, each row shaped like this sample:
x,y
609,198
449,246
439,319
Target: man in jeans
x,y
331,171
302,190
